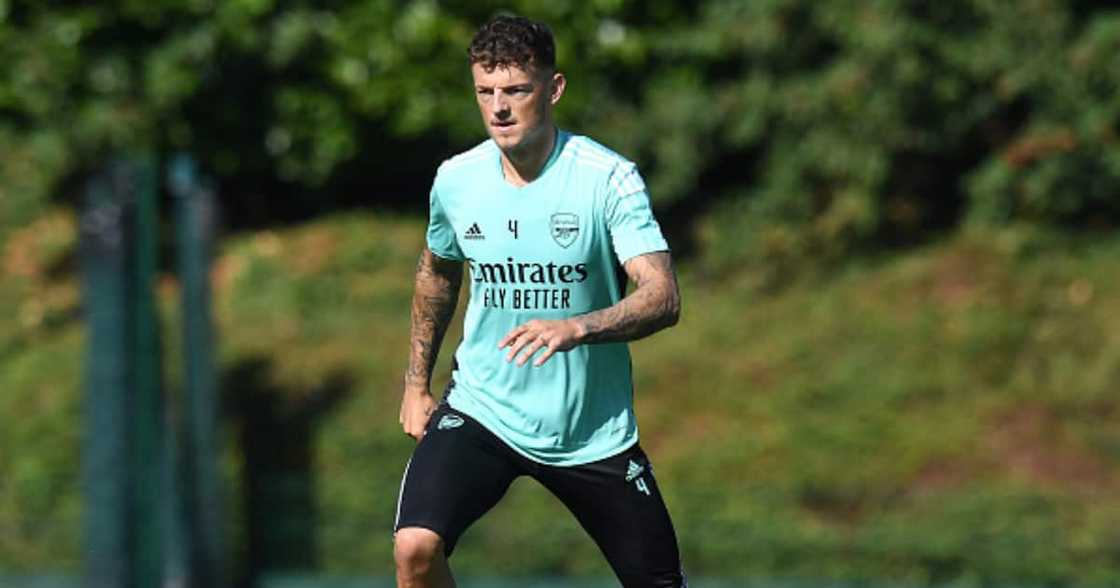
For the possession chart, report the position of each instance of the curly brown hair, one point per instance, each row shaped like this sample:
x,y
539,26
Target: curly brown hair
x,y
513,41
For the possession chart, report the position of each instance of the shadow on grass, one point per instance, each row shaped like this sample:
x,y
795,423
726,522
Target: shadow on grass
x,y
276,428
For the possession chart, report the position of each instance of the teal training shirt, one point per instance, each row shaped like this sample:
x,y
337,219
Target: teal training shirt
x,y
549,250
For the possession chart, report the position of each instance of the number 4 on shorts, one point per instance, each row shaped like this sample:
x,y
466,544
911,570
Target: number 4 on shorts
x,y
634,472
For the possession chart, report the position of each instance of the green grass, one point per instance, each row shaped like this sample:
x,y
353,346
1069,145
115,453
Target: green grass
x,y
947,414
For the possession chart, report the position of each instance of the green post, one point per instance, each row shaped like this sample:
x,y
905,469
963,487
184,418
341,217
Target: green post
x,y
122,462
104,246
195,212
151,502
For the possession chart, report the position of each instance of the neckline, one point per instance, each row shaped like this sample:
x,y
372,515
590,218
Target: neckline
x,y
560,139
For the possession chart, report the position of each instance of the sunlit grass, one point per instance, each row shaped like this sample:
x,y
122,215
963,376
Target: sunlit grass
x,y
945,413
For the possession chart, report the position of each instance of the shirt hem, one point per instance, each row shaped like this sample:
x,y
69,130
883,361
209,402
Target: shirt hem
x,y
628,442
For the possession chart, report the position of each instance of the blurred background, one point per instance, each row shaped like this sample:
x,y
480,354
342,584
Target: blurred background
x,y
894,221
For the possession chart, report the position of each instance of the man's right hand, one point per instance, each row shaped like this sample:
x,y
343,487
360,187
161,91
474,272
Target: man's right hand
x,y
416,409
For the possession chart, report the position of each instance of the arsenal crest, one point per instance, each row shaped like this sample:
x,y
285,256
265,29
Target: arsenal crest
x,y
564,228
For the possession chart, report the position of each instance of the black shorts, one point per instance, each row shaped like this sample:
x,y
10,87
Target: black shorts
x,y
460,470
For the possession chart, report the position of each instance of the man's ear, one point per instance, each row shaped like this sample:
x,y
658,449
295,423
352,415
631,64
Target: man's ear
x,y
557,85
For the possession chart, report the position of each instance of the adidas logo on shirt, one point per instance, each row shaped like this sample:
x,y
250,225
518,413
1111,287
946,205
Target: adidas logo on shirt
x,y
474,232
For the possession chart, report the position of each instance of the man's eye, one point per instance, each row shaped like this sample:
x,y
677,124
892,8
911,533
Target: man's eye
x,y
485,91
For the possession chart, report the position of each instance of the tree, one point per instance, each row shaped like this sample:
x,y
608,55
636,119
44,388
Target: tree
x,y
816,128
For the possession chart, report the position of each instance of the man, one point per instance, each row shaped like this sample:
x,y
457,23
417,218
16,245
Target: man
x,y
541,384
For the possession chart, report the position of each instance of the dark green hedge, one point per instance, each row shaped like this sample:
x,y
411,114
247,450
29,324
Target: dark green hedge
x,y
823,127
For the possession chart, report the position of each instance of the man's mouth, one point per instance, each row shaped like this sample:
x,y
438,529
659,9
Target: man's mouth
x,y
502,124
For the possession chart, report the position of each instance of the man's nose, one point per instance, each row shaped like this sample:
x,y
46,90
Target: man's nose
x,y
499,105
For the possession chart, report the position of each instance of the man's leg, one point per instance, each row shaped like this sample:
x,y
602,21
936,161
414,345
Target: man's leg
x,y
457,473
617,502
420,558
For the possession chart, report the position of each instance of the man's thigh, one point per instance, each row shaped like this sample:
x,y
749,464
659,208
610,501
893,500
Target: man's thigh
x,y
457,473
618,503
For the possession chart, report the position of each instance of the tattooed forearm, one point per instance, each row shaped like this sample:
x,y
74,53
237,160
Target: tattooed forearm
x,y
433,305
653,305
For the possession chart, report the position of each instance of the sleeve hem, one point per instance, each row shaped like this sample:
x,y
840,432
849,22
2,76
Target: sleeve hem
x,y
444,255
629,253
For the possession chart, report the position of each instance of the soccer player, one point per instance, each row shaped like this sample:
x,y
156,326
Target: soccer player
x,y
541,384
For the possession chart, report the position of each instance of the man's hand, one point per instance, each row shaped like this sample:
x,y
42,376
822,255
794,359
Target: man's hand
x,y
559,335
416,409
654,304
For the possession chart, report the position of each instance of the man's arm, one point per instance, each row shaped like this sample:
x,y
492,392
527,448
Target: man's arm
x,y
433,305
654,304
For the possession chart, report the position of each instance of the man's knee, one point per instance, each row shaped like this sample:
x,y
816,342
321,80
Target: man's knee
x,y
415,548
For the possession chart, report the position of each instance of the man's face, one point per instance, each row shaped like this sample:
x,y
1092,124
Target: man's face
x,y
516,103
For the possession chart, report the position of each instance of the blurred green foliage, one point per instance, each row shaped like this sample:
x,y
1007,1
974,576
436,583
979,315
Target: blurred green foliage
x,y
819,127
947,414
943,417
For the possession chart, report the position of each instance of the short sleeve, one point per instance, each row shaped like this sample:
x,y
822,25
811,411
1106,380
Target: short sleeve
x,y
633,228
441,235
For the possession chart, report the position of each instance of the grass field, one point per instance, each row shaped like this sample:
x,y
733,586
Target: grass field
x,y
947,414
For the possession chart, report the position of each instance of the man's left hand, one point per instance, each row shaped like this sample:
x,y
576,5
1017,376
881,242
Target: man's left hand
x,y
559,335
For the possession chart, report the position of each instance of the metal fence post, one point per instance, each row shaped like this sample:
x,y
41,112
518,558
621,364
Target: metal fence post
x,y
104,245
122,465
150,420
195,211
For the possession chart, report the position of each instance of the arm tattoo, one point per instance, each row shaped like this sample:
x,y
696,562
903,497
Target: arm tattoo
x,y
653,305
433,305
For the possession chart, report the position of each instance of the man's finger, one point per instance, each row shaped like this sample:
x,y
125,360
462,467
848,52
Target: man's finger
x,y
518,345
510,336
549,352
537,344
